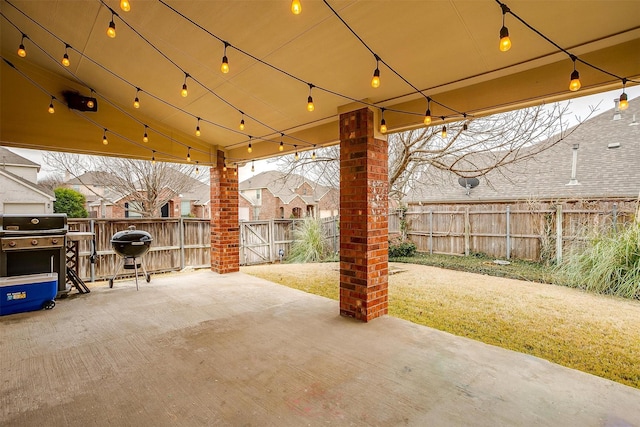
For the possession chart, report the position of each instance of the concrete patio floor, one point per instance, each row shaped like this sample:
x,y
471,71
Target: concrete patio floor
x,y
203,349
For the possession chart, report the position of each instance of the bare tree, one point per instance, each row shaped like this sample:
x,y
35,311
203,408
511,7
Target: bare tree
x,y
51,182
145,186
471,148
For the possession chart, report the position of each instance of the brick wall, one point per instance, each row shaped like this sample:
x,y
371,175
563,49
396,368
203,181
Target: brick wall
x,y
225,230
363,218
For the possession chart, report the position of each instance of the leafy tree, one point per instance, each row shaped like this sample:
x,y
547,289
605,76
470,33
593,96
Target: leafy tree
x,y
70,202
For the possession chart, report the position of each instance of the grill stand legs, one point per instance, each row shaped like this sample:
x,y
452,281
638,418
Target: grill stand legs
x,y
121,264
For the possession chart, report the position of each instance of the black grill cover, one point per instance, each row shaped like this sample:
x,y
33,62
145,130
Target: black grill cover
x,y
14,223
131,242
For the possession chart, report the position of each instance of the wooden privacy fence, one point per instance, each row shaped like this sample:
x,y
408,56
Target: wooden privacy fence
x,y
529,234
263,241
177,243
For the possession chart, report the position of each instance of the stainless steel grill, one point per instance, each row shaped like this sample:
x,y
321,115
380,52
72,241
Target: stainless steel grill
x,y
31,244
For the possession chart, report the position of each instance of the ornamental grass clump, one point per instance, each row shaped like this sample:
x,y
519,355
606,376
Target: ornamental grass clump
x,y
610,264
309,242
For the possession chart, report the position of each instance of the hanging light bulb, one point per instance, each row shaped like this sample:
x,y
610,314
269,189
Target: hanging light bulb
x,y
197,169
224,67
296,7
111,31
505,41
375,80
184,91
224,165
575,84
249,148
253,168
136,101
296,157
281,146
241,121
145,137
51,109
188,154
65,58
235,171
624,102
427,114
153,157
383,123
125,5
105,141
310,106
22,52
313,154
198,127
443,133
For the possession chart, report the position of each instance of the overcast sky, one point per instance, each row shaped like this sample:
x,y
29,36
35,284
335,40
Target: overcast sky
x,y
579,108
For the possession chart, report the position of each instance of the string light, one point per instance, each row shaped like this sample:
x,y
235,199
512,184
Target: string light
x,y
105,141
125,5
383,123
51,109
224,67
313,154
505,41
296,157
375,80
22,52
111,30
136,101
575,84
624,102
427,114
296,7
184,91
249,148
188,154
281,146
253,169
198,127
224,164
241,121
197,169
443,134
145,137
310,106
65,58
465,126
153,157
235,171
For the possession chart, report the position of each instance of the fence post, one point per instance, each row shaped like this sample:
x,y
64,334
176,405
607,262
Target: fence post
x,y
271,238
467,232
614,214
431,232
558,234
181,237
508,232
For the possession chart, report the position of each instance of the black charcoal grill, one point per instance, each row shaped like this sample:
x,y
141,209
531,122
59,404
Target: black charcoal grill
x,y
130,245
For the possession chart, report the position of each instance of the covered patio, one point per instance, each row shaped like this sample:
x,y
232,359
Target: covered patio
x,y
207,349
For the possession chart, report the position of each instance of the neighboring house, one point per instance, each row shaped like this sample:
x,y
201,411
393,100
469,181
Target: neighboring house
x,y
194,203
598,161
275,194
19,191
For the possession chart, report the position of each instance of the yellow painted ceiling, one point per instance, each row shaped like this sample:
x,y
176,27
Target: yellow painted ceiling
x,y
447,49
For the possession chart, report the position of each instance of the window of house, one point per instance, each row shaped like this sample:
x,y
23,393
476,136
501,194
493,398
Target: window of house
x,y
185,208
258,194
281,212
133,210
296,212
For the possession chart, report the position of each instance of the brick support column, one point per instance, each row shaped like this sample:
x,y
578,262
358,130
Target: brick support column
x,y
225,229
364,208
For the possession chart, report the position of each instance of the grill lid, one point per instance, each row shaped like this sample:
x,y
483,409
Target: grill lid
x,y
32,224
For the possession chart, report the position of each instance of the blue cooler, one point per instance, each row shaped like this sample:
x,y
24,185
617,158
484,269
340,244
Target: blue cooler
x,y
27,293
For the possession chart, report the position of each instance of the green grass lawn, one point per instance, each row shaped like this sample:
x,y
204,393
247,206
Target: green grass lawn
x,y
593,333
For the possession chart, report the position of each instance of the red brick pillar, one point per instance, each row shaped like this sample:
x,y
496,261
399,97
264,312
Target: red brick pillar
x,y
225,230
364,207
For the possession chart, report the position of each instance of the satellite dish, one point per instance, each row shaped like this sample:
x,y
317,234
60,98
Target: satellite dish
x,y
468,183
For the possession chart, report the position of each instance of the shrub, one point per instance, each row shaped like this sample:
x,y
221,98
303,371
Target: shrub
x,y
402,249
609,264
309,242
70,202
